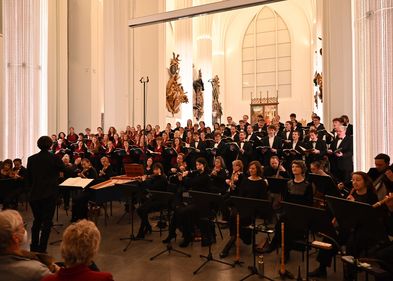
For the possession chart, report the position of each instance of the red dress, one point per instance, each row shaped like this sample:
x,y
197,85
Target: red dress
x,y
79,273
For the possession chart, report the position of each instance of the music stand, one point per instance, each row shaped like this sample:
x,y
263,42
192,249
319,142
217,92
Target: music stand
x,y
305,219
358,219
277,185
129,191
166,198
207,203
324,185
251,207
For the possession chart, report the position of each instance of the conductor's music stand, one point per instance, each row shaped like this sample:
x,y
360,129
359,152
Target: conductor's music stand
x,y
207,203
305,219
251,207
166,198
129,191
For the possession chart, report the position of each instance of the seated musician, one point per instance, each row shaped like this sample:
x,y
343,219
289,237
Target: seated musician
x,y
107,171
380,175
219,175
298,191
362,191
80,202
15,263
19,170
179,168
184,216
157,181
253,186
6,171
233,183
275,169
148,170
69,172
80,244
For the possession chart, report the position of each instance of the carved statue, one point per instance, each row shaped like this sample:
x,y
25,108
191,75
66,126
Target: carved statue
x,y
198,96
175,94
318,83
217,107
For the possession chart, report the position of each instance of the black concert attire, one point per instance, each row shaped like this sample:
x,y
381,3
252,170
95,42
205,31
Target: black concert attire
x,y
248,188
276,143
151,204
218,184
289,156
342,167
43,170
186,216
247,155
318,145
198,151
81,200
298,193
269,172
383,186
106,173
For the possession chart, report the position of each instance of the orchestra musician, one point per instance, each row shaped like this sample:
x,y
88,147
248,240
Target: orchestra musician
x,y
157,181
362,191
253,186
184,216
236,177
298,191
379,175
275,169
80,201
6,171
107,171
218,176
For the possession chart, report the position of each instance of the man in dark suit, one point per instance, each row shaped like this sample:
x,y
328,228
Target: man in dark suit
x,y
43,171
317,146
245,149
342,166
200,151
274,144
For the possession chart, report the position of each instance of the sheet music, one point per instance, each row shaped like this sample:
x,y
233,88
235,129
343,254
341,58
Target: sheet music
x,y
77,182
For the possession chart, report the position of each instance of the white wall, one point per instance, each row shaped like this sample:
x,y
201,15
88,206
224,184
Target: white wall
x,y
337,54
298,24
79,71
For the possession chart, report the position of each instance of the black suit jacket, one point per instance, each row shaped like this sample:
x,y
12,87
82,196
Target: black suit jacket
x,y
321,146
247,155
344,163
43,171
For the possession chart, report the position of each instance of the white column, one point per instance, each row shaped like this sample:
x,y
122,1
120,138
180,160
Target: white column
x,y
373,80
57,66
183,47
203,60
337,59
25,99
116,67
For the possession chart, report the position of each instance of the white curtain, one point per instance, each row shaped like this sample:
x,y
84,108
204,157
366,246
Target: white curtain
x,y
373,83
24,101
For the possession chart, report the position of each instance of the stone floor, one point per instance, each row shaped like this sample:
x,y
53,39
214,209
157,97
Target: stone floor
x,y
135,264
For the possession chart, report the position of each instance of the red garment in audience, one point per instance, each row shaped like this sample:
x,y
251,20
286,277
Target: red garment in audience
x,y
79,273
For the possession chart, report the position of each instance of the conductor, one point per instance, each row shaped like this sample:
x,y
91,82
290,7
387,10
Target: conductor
x,y
42,174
